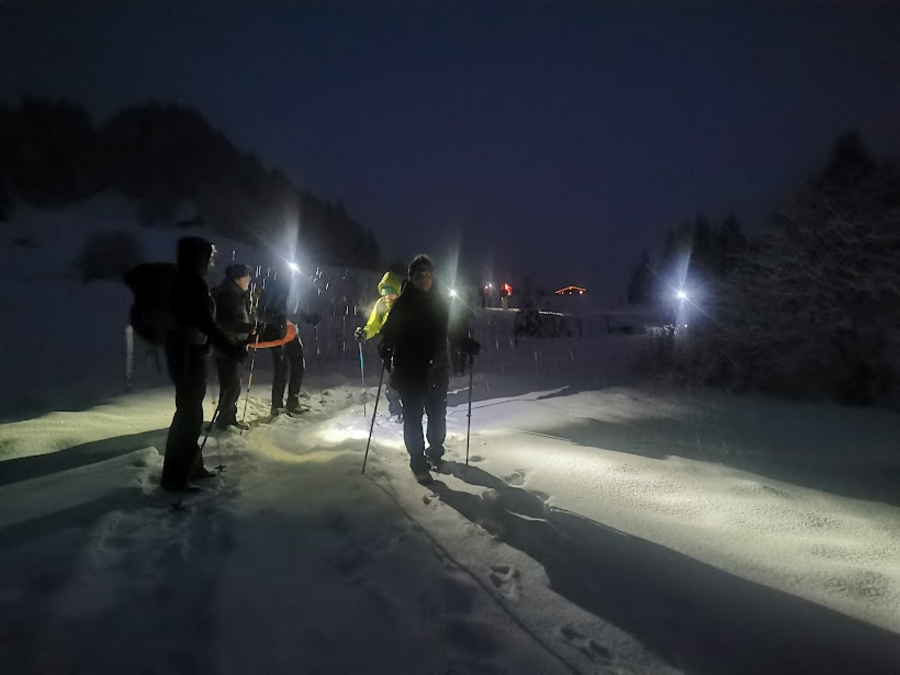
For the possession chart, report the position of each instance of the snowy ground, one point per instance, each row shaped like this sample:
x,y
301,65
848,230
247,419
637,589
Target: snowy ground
x,y
601,526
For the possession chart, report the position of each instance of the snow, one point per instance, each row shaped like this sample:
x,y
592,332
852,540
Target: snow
x,y
602,525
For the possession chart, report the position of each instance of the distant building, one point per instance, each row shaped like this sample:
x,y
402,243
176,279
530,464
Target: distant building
x,y
571,290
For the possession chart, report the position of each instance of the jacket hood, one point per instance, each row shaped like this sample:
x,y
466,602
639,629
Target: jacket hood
x,y
389,281
194,254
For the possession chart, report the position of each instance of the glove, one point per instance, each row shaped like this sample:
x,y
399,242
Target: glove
x,y
472,347
360,334
386,352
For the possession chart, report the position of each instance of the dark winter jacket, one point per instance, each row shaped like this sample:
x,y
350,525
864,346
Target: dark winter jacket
x,y
193,308
277,307
416,333
233,310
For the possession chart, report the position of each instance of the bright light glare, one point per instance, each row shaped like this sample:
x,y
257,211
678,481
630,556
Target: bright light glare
x,y
681,295
294,266
453,293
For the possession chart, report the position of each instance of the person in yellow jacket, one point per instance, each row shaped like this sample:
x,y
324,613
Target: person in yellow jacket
x,y
389,289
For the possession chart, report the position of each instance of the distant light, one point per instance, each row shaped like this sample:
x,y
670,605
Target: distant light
x,y
681,295
453,293
294,266
571,290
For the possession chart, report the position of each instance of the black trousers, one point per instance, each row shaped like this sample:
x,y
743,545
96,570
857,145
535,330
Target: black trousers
x,y
418,399
393,399
187,369
289,368
229,371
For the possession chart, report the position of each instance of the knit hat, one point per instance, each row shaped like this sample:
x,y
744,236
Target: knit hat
x,y
420,264
237,271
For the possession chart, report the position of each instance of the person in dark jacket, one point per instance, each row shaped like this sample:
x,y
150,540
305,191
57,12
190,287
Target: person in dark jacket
x,y
233,317
414,347
288,359
187,346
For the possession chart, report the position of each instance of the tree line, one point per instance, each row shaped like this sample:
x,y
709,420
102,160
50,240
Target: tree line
x,y
807,307
170,161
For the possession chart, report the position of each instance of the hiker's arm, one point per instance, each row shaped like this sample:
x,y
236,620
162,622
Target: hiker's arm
x,y
203,318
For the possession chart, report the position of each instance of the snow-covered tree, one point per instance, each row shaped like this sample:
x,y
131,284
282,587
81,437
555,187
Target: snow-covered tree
x,y
814,308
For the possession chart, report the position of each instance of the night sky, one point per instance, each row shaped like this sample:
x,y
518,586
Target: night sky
x,y
553,140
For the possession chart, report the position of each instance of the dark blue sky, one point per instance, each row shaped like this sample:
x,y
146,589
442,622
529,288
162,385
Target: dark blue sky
x,y
556,139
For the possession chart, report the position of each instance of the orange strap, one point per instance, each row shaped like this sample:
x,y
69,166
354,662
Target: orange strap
x,y
289,335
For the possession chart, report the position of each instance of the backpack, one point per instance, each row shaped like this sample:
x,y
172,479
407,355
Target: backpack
x,y
151,315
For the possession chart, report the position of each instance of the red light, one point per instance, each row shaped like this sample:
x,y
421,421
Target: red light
x,y
507,288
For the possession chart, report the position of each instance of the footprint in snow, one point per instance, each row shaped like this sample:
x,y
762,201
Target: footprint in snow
x,y
517,479
507,580
476,458
591,649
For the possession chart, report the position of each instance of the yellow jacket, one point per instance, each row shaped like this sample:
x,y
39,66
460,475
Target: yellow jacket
x,y
389,285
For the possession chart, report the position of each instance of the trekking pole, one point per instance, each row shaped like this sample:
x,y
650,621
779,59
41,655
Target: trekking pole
x,y
219,467
249,380
177,504
374,412
469,422
362,375
129,358
318,365
253,355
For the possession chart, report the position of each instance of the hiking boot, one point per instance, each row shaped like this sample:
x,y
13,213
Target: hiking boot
x,y
201,473
423,477
224,425
435,458
293,404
